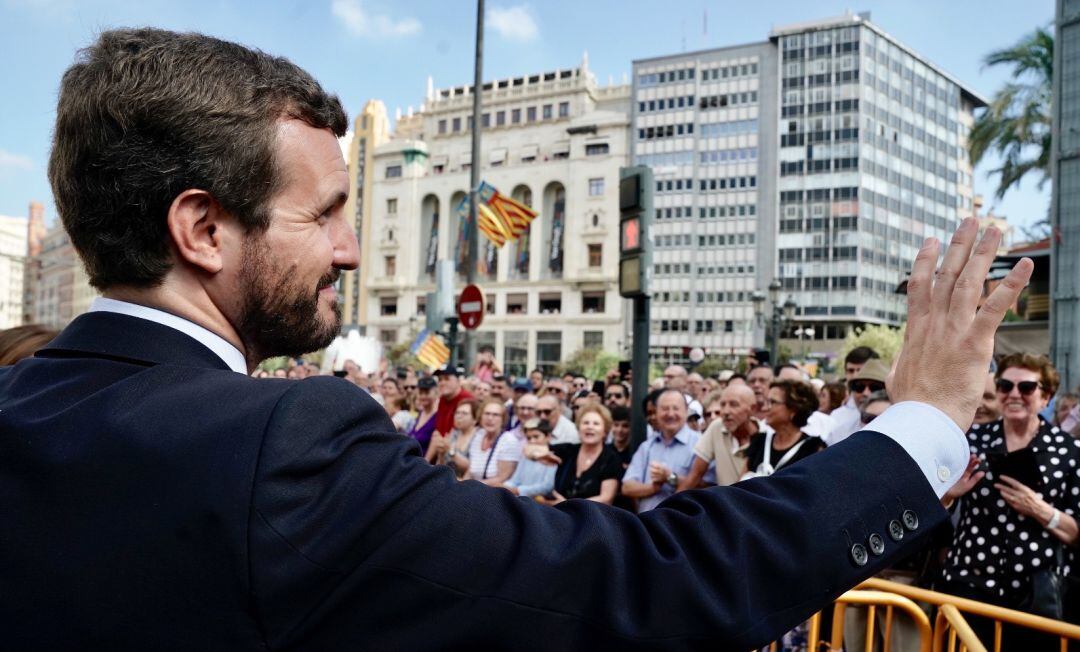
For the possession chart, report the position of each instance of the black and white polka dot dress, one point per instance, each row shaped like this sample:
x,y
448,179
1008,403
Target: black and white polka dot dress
x,y
997,549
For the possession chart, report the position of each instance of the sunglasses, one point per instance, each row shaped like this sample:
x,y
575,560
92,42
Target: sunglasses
x,y
713,414
556,390
615,395
1026,387
860,386
409,388
543,412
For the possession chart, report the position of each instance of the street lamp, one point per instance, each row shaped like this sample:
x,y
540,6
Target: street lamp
x,y
780,315
808,331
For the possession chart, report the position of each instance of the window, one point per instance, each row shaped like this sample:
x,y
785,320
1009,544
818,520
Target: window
x,y
517,304
456,125
515,353
547,112
390,265
388,306
442,126
564,109
596,187
421,306
596,255
548,350
592,302
393,171
391,205
489,306
515,116
550,303
388,336
596,149
530,114
594,340
485,120
500,118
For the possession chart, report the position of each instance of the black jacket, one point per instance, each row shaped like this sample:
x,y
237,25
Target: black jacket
x,y
150,498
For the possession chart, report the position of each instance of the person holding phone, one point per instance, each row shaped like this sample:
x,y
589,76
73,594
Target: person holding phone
x,y
1012,527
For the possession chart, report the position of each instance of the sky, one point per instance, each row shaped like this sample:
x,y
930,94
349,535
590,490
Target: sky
x,y
364,49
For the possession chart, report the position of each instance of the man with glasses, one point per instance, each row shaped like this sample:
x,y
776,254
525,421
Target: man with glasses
x,y
869,378
563,430
524,409
558,388
616,396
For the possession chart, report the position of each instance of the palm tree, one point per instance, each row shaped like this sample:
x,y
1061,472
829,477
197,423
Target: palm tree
x,y
1016,124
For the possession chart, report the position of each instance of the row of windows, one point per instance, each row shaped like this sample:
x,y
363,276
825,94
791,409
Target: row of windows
x,y
731,128
728,183
909,101
702,297
666,159
874,285
718,156
908,184
822,79
723,297
721,240
652,79
679,212
818,194
826,136
816,254
919,134
665,131
729,72
547,111
674,269
816,108
681,102
944,91
816,224
818,166
727,99
810,283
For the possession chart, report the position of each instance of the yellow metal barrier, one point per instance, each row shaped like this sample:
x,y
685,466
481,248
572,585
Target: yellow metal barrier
x,y
950,623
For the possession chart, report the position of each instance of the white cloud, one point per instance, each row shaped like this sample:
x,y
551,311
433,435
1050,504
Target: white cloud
x,y
361,23
9,161
513,23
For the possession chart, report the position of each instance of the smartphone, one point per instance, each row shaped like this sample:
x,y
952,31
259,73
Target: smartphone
x,y
1020,465
624,369
341,373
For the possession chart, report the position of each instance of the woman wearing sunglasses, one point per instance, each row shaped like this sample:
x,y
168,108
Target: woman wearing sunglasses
x,y
1015,531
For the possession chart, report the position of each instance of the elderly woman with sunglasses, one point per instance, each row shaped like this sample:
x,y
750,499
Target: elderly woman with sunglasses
x,y
1012,529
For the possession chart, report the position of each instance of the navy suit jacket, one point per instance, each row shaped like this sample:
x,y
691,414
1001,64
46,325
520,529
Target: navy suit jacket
x,y
150,498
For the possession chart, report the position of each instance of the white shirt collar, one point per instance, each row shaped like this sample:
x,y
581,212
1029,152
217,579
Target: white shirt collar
x,y
227,352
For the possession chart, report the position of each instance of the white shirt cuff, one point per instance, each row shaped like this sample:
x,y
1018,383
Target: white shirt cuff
x,y
931,438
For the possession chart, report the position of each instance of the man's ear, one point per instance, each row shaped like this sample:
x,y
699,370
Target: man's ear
x,y
198,226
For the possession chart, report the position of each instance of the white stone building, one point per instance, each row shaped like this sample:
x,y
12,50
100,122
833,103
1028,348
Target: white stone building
x,y
12,261
555,141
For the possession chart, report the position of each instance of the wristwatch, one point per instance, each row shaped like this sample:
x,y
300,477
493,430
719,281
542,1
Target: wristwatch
x,y
673,479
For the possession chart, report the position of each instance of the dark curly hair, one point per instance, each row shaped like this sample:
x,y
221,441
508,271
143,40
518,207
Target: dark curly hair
x,y
799,397
145,114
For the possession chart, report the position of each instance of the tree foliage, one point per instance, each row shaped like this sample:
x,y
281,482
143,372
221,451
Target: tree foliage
x,y
1016,124
592,363
885,340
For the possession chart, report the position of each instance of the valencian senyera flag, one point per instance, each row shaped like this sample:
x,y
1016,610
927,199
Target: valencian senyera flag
x,y
429,349
499,218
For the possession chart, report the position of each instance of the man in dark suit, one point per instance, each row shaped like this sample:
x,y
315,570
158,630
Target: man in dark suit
x,y
154,496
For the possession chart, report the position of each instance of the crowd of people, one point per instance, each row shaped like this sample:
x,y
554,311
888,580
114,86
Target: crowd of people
x,y
556,438
553,438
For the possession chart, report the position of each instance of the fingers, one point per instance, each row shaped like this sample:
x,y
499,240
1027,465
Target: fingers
x,y
921,281
1013,484
969,287
1001,299
953,264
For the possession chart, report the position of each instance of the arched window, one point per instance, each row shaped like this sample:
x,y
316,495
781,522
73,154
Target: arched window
x,y
519,250
554,230
429,237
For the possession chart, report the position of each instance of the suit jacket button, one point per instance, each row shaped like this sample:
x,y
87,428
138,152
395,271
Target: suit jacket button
x,y
858,554
911,520
877,544
896,531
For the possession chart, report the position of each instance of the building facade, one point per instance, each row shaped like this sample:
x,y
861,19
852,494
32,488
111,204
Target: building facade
x,y
371,129
62,289
703,121
860,155
13,232
554,141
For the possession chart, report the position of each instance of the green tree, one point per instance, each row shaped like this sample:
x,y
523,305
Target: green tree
x,y
885,340
1016,124
591,363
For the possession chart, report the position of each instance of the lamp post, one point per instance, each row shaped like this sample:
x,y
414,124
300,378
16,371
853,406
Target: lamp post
x,y
808,331
781,314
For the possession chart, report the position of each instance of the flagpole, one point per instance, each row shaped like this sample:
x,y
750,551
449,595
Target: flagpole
x,y
474,175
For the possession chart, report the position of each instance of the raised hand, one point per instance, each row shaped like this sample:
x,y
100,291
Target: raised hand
x,y
950,340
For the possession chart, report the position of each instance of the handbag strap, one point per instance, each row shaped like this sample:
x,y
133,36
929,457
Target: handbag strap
x,y
491,453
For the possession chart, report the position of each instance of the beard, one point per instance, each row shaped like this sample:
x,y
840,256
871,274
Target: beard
x,y
280,312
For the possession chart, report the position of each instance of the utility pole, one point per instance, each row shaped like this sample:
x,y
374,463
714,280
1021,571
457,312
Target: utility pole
x,y
474,176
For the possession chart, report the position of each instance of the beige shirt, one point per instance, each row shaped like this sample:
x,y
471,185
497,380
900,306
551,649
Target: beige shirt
x,y
718,445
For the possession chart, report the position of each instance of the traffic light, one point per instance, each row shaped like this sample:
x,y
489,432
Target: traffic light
x,y
635,241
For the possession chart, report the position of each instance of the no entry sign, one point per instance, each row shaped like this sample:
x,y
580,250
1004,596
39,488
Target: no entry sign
x,y
470,307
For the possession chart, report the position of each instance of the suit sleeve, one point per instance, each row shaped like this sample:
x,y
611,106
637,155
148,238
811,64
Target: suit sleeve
x,y
356,542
